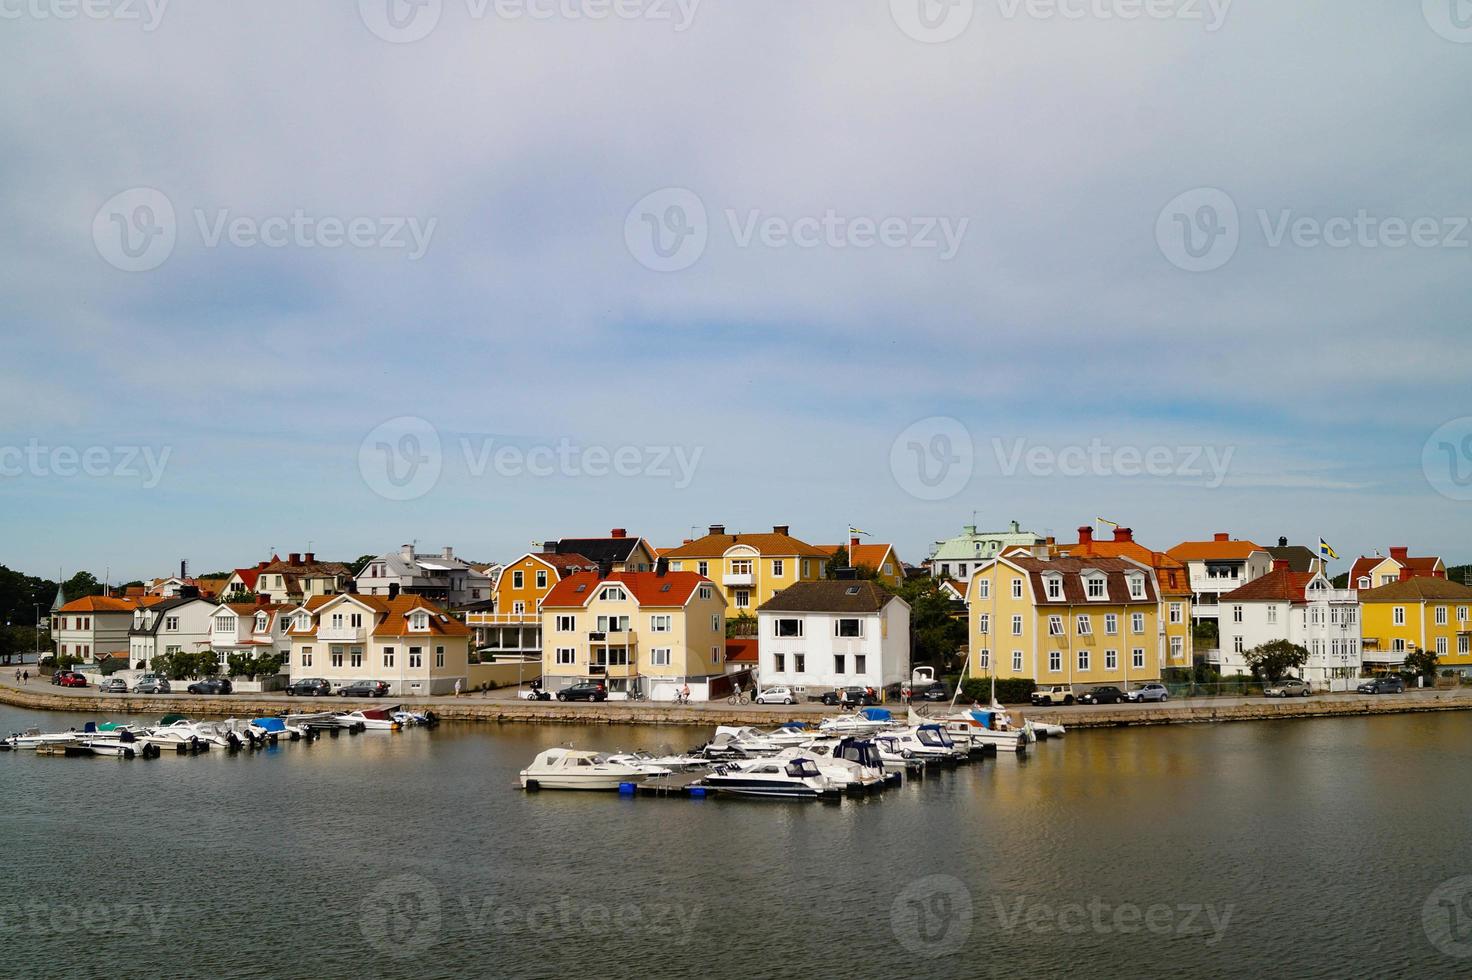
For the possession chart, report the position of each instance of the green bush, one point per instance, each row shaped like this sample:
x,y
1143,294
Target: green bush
x,y
1011,690
111,665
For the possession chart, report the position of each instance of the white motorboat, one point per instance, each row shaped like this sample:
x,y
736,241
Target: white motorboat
x,y
573,769
798,778
114,747
33,738
792,733
978,727
851,763
744,742
174,739
928,743
660,765
409,719
1043,729
216,734
868,721
372,719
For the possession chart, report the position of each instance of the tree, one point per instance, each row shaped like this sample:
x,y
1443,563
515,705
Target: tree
x,y
936,633
840,560
1272,660
253,665
81,585
357,565
741,624
1421,662
242,596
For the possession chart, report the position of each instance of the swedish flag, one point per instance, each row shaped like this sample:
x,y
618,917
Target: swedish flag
x,y
1325,551
853,530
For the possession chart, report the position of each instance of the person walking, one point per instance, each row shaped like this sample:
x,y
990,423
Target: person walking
x,y
457,687
25,677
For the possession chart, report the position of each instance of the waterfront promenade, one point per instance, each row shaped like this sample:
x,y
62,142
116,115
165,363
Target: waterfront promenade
x,y
502,706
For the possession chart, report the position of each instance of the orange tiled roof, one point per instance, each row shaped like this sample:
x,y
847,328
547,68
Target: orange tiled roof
x,y
1166,566
101,603
1214,550
716,545
390,615
648,588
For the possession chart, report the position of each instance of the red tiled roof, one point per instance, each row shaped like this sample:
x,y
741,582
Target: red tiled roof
x,y
391,615
868,555
1282,585
1214,550
774,545
741,650
648,588
100,603
1166,566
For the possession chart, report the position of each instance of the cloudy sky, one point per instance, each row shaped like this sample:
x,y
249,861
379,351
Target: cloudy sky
x,y
479,272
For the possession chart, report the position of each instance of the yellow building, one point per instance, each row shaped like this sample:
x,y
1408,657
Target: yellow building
x,y
748,569
407,641
650,630
1422,612
1171,578
1080,621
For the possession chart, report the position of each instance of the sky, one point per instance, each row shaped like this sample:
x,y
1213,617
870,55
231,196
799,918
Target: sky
x,y
337,277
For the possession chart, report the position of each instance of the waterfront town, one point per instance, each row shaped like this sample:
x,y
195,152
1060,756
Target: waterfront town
x,y
618,616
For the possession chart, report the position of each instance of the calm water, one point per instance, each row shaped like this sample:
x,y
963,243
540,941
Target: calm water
x,y
1300,848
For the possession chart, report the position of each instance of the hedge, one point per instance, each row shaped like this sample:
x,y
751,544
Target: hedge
x,y
1011,690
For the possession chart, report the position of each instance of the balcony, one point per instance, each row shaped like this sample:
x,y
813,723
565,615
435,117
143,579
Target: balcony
x,y
341,634
738,579
623,638
503,619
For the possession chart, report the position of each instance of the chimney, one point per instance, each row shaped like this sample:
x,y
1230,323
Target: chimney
x,y
1282,542
393,590
1438,573
1221,536
1400,553
618,532
1016,527
1406,573
1085,535
352,586
406,551
853,543
718,529
1280,564
294,558
605,569
1124,534
262,600
782,529
1050,541
183,568
688,541
188,592
310,558
448,552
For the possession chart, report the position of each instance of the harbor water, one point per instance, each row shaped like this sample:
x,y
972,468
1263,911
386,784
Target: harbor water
x,y
1307,848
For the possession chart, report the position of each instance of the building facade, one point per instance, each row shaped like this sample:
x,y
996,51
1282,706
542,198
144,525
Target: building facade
x,y
1373,571
748,569
819,636
957,558
177,625
1219,566
1172,578
1302,608
407,641
95,627
1419,612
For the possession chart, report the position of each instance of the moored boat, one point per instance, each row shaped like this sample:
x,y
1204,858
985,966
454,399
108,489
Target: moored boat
x,y
372,719
798,778
563,768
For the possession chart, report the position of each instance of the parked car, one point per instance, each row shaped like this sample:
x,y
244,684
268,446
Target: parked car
x,y
151,684
1104,694
776,695
310,687
1292,687
849,697
1148,691
934,692
1053,694
70,678
214,685
364,689
113,685
584,691
1386,684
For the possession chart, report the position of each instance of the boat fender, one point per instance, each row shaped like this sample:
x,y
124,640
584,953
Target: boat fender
x,y
128,753
907,753
532,784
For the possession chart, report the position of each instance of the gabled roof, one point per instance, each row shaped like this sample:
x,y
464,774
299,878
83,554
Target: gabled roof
x,y
1419,589
829,596
742,650
1215,550
647,588
1280,585
1072,570
1298,557
964,547
767,544
601,550
1366,564
1171,572
164,606
390,615
868,555
110,604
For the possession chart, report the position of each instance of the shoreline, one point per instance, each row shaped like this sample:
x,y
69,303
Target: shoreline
x,y
506,710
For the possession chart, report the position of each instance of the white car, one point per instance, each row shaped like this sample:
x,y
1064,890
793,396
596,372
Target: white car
x,y
776,695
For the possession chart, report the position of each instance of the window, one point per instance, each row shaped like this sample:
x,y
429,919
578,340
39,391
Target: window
x,y
1177,614
1461,614
1137,586
355,657
1177,647
984,658
1111,659
356,620
1398,615
388,656
1137,622
1441,615
1017,588
439,656
1055,660
779,663
848,627
807,568
838,663
702,568
660,656
1138,657
541,578
306,656
337,621
741,566
566,656
171,624
1094,587
419,621
715,655
518,607
660,624
1017,625
1111,624
613,593
1054,586
1055,625
715,623
789,627
416,657
337,656
983,588
861,663
1398,645
705,592
261,623
1272,614
1464,644
224,624
1083,659
613,624
1236,614
777,567
743,599
799,663
984,623
1084,626
518,579
1017,661
566,624
1441,646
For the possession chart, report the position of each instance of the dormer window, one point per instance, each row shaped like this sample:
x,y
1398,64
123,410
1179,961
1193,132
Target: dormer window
x,y
1364,581
304,622
260,622
224,624
1137,586
1095,586
419,621
613,593
1053,586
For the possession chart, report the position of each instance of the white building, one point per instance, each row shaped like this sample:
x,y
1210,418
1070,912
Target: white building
x,y
1218,566
251,628
178,625
834,633
442,578
1302,608
95,627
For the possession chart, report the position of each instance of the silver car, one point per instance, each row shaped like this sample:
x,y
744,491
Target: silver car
x,y
1149,691
1290,688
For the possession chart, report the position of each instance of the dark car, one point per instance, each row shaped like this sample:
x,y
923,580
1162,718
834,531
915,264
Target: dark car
x,y
113,685
1107,694
849,697
584,691
1389,684
70,678
935,692
310,687
215,685
364,689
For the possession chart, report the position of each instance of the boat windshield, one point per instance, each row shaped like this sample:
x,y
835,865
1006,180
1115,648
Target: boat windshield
x,y
802,768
